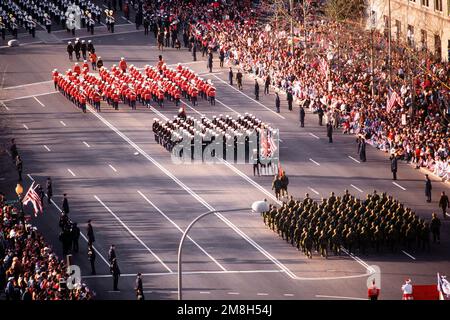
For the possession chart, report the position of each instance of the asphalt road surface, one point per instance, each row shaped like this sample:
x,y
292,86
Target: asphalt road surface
x,y
117,176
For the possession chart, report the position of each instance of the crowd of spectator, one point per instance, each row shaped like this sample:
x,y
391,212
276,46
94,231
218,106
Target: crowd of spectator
x,y
415,128
29,268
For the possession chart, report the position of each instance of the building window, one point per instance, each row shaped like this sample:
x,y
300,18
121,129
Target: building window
x,y
423,40
438,5
426,3
437,47
410,35
398,29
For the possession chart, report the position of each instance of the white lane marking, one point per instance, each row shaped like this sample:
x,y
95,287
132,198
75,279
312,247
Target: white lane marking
x,y
31,96
158,113
262,294
315,162
82,234
395,183
112,291
354,159
256,101
86,144
148,291
313,190
114,169
357,188
408,255
174,292
313,135
127,20
233,293
288,294
339,297
192,193
132,233
229,108
186,273
39,101
25,126
71,172
27,85
62,122
47,148
205,292
6,107
186,63
181,230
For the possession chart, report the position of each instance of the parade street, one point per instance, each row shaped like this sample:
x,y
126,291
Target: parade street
x,y
117,176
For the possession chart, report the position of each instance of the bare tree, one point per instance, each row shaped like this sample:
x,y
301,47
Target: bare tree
x,y
341,10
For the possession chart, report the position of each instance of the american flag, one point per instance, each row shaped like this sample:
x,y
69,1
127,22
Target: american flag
x,y
443,287
264,144
272,144
32,196
392,99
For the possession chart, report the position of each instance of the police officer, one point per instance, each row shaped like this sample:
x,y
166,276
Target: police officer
x,y
239,79
91,258
115,271
302,116
230,76
70,50
256,89
277,102
330,132
393,159
210,60
289,98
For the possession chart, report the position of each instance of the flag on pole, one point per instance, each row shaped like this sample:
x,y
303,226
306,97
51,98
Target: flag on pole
x,y
392,99
443,287
264,144
32,196
272,144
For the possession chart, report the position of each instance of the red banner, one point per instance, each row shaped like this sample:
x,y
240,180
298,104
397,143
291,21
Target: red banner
x,y
425,292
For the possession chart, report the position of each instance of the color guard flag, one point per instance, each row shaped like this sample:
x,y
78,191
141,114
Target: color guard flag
x,y
32,196
443,287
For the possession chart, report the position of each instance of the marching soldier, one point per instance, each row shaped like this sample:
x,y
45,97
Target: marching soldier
x,y
2,28
83,48
77,49
90,47
48,23
91,23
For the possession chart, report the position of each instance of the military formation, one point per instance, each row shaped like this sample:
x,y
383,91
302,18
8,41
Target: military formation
x,y
228,134
375,224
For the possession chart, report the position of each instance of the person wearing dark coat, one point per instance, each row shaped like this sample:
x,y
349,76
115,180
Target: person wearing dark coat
x,y
256,89
70,50
435,227
49,190
91,257
194,51
75,237
13,150
320,113
302,116
428,188
138,19
66,238
290,99
394,167
277,102
139,288
277,185
90,233
77,49
362,150
230,76
210,60
19,166
444,204
65,204
115,271
330,132
112,253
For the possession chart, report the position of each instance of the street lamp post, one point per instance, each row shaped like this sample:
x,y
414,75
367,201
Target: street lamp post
x,y
257,206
